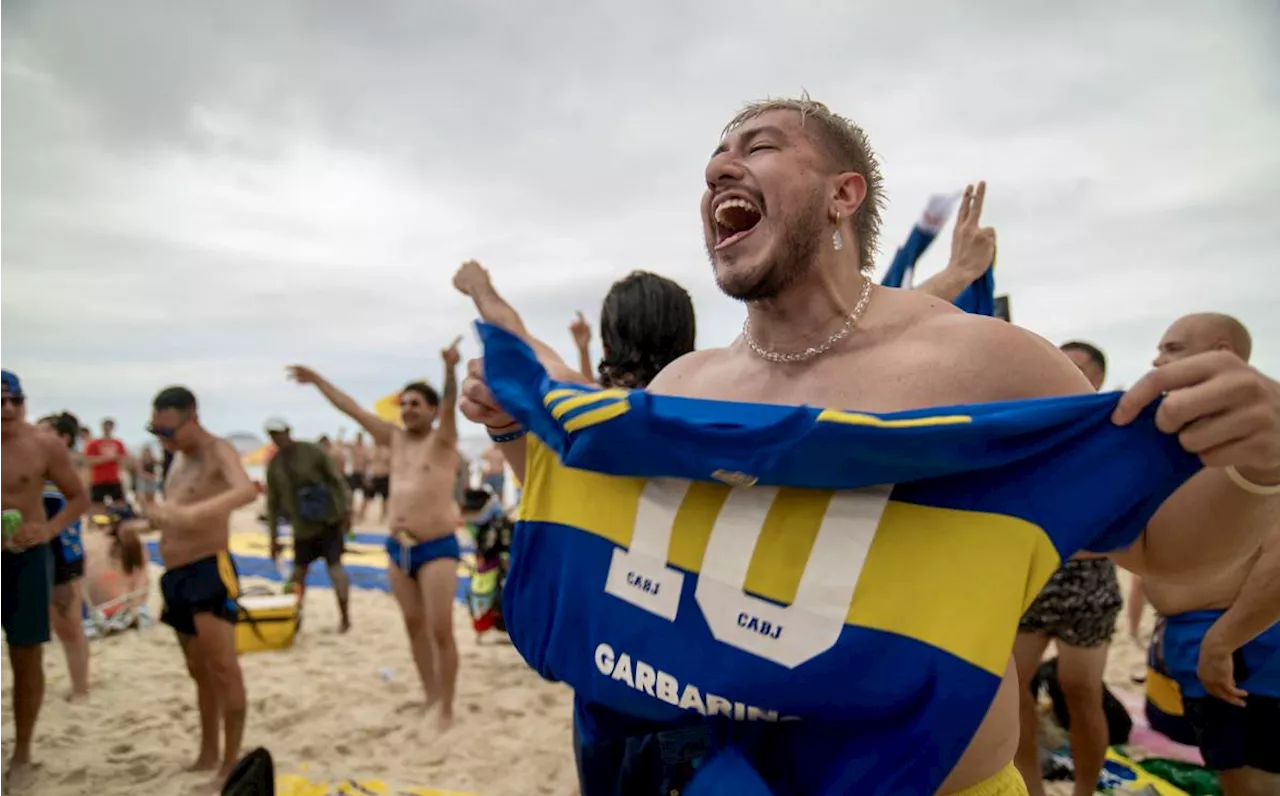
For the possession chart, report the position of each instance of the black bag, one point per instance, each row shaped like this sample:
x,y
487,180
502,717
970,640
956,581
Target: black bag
x,y
315,503
1119,723
253,775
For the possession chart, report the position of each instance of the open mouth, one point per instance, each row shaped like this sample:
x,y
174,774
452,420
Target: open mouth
x,y
735,219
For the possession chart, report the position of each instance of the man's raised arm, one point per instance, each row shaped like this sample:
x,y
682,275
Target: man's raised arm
x,y
473,280
447,428
379,429
973,248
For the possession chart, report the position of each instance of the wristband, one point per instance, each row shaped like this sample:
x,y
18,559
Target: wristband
x,y
509,436
1249,486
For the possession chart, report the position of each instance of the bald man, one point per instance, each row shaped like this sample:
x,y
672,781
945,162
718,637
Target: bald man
x,y
1220,635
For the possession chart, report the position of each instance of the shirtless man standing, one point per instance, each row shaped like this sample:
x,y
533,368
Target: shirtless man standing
x,y
1220,637
358,456
378,484
423,518
30,458
790,215
200,585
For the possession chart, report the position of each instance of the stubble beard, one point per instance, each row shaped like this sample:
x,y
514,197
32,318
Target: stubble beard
x,y
802,232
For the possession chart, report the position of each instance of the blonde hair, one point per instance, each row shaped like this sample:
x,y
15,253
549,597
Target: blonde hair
x,y
848,149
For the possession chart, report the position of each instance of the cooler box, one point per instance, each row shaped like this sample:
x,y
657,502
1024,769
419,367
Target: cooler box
x,y
267,622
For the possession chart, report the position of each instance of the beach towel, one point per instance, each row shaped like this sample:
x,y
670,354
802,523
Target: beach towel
x,y
754,571
1120,771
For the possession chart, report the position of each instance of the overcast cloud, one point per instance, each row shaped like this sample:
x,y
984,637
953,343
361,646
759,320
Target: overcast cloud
x,y
201,193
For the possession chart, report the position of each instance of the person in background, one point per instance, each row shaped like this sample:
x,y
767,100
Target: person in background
x,y
581,331
494,474
422,545
68,571
147,475
78,459
305,484
200,584
358,460
1077,610
104,456
1219,633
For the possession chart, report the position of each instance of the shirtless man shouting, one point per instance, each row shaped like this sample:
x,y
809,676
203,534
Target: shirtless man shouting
x,y
200,585
30,458
790,214
422,518
1220,633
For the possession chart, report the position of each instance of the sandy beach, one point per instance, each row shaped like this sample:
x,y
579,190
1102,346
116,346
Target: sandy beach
x,y
328,709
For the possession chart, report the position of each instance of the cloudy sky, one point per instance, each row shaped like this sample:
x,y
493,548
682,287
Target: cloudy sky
x,y
201,193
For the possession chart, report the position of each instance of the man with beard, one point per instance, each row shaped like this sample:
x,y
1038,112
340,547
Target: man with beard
x,y
31,457
200,585
791,215
422,518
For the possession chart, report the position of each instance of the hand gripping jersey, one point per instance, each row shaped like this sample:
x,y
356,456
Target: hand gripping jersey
x,y
835,593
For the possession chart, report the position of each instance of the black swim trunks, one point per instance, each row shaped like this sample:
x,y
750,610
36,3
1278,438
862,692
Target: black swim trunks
x,y
99,493
207,586
355,482
379,486
1079,604
65,567
1231,737
27,582
329,545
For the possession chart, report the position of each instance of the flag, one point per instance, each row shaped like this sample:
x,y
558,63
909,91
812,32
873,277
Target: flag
x,y
831,594
978,298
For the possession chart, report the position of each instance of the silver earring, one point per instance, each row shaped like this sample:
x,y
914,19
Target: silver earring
x,y
837,240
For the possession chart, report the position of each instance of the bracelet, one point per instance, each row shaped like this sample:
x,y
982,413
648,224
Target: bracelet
x,y
1249,486
510,436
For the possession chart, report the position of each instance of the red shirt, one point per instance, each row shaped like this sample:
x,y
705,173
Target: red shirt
x,y
108,473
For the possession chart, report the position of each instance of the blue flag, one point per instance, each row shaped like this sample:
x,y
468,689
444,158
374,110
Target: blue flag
x,y
829,596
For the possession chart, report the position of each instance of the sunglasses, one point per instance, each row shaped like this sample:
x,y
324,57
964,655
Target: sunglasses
x,y
13,400
165,433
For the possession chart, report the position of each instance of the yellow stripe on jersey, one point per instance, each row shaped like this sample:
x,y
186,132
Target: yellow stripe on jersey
x,y
860,419
956,580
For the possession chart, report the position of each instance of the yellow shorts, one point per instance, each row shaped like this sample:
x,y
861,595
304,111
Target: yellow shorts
x,y
1008,782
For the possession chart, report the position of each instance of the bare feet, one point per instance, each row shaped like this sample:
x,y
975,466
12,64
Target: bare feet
x,y
215,785
445,720
76,697
204,763
20,776
344,625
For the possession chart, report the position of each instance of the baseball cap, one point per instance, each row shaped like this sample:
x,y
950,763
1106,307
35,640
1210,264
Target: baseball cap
x,y
11,383
276,424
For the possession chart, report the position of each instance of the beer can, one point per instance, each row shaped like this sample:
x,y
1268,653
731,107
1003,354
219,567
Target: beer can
x,y
10,520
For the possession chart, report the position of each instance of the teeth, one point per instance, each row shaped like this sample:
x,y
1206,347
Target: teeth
x,y
738,203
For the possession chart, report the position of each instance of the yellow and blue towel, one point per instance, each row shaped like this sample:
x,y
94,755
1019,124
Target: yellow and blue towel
x,y
830,597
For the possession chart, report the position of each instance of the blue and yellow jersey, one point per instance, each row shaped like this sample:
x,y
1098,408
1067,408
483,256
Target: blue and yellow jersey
x,y
69,538
837,592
